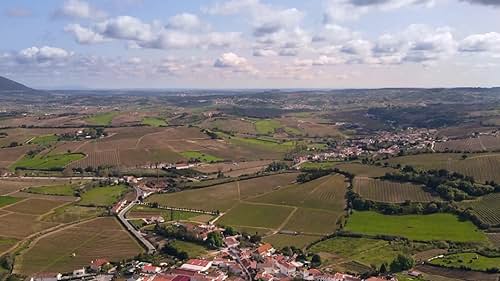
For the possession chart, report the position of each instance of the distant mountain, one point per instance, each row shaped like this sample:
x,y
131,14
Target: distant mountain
x,y
7,85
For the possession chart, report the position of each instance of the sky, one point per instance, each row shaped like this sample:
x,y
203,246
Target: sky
x,y
250,43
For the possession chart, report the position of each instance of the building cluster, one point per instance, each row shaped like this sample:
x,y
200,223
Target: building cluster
x,y
233,262
382,144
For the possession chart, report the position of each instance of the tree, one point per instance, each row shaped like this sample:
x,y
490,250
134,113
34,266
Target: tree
x,y
383,268
229,231
214,240
316,260
400,263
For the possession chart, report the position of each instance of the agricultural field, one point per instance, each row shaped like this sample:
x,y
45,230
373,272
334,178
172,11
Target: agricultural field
x,y
12,186
223,196
469,260
256,215
233,125
390,192
487,208
432,227
319,165
71,213
365,251
481,143
98,238
102,195
8,200
61,190
48,162
267,126
326,193
494,239
236,167
279,241
147,212
193,250
6,243
34,206
207,158
154,122
44,140
10,155
362,170
102,119
483,167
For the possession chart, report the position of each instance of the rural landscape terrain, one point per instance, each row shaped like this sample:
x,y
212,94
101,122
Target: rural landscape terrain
x,y
395,183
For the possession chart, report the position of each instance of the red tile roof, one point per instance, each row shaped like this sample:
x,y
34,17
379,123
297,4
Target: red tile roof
x,y
198,262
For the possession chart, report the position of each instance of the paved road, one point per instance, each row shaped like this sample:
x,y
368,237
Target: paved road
x,y
130,227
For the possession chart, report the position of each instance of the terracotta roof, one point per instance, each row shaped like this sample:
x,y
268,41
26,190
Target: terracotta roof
x,y
181,278
99,262
198,262
164,277
264,248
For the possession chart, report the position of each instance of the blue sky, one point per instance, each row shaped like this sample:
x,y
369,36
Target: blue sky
x,y
250,43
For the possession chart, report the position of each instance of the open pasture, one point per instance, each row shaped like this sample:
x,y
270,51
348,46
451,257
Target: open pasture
x,y
44,139
267,126
200,156
48,162
7,200
102,195
446,227
71,213
154,121
232,125
102,119
471,260
339,250
61,190
99,238
487,208
483,167
390,192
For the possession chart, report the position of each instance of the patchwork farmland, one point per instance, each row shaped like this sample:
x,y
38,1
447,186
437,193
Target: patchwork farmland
x,y
487,208
390,192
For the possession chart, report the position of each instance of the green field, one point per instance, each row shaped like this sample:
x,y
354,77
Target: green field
x,y
416,227
44,140
319,165
48,162
470,260
62,190
102,119
256,215
102,196
193,250
267,127
8,200
362,250
154,122
320,222
207,158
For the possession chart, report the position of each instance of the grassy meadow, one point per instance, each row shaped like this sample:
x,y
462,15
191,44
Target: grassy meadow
x,y
432,227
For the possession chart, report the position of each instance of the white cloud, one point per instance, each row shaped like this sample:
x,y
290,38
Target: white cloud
x,y
264,53
184,21
486,42
43,54
138,34
230,60
79,9
84,35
